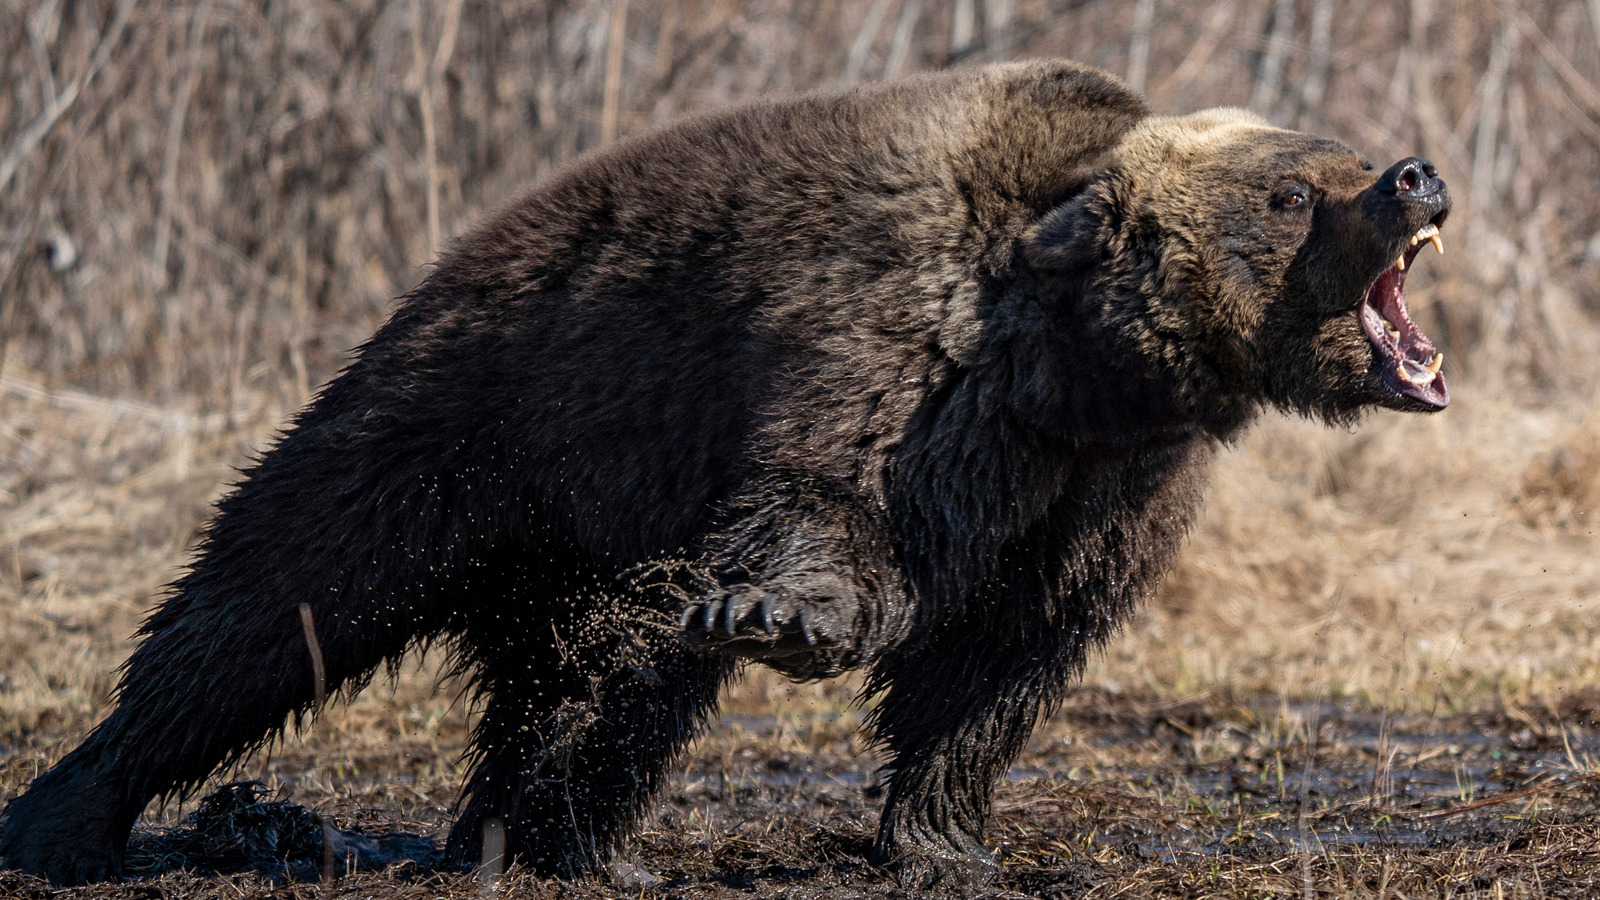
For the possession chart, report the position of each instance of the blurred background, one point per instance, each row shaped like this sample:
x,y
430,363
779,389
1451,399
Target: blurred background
x,y
205,204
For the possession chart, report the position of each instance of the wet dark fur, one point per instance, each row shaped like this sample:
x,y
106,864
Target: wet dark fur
x,y
909,378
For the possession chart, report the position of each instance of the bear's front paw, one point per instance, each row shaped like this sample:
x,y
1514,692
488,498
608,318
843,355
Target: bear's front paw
x,y
965,872
754,624
802,632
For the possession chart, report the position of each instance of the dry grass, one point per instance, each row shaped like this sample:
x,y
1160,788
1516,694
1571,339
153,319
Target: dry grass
x,y
252,185
203,203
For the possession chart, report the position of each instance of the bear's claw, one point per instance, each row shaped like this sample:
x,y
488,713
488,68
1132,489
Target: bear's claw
x,y
756,625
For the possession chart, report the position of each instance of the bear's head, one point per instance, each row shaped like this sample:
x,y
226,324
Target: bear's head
x,y
1239,263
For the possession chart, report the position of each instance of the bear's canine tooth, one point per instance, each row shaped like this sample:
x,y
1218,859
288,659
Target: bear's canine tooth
x,y
1400,262
1430,233
1424,376
1436,364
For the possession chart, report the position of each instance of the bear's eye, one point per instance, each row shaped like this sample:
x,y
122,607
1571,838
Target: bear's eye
x,y
1291,197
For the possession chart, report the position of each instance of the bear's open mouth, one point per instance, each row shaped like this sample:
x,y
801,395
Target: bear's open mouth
x,y
1407,361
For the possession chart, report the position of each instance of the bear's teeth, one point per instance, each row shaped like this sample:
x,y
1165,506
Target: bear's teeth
x,y
1389,329
1416,373
1429,233
1436,364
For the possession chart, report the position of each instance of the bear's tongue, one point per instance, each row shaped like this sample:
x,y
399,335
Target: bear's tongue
x,y
1407,360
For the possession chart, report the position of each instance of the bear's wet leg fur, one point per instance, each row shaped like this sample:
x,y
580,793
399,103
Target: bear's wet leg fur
x,y
802,581
588,696
207,684
226,660
957,706
956,710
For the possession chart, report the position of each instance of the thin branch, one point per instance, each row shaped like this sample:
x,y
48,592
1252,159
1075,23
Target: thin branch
x,y
964,21
63,101
900,46
1269,82
430,149
1506,798
1144,12
1579,86
169,163
447,38
997,28
1493,87
866,36
1594,18
41,52
616,43
319,674
1316,80
1200,52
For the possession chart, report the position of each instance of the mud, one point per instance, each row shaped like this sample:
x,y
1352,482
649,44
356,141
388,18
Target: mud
x,y
1115,796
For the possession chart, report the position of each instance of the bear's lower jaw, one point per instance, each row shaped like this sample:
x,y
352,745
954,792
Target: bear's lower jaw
x,y
1404,359
1407,382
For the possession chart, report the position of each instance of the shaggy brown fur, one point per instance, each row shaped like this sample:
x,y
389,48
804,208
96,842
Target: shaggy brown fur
x,y
920,378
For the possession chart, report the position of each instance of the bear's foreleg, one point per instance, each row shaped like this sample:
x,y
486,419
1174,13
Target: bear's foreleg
x,y
802,580
954,713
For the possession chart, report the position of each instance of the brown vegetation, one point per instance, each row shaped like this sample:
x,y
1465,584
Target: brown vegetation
x,y
205,203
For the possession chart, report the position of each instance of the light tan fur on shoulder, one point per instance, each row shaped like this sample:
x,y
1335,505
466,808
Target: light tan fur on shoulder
x,y
1168,141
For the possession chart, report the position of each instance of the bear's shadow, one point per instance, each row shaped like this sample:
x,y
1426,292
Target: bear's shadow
x,y
239,828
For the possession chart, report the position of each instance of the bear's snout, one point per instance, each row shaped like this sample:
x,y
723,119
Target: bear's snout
x,y
1408,196
1412,178
1416,184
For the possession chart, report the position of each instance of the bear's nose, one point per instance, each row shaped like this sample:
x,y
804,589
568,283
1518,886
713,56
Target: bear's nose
x,y
1412,178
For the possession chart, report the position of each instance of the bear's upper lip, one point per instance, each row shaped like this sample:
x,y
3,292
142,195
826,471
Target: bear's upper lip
x,y
1406,360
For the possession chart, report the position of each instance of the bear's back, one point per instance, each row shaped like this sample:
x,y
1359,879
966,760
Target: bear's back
x,y
776,285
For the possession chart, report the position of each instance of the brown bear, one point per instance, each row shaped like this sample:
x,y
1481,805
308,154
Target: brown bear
x,y
921,378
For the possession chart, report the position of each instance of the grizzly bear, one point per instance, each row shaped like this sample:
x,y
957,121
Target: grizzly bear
x,y
921,379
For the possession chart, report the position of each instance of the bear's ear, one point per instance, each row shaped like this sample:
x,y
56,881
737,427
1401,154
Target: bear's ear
x,y
1068,238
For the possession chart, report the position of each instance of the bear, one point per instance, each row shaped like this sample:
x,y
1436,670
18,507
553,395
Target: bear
x,y
920,379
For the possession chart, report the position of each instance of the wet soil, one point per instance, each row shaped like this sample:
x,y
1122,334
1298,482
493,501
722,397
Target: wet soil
x,y
1114,797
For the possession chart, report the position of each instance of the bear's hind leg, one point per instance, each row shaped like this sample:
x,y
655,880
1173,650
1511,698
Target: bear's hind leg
x,y
589,695
226,659
209,683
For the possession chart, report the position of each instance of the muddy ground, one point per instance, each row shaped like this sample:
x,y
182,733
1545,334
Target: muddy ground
x,y
188,248
1116,796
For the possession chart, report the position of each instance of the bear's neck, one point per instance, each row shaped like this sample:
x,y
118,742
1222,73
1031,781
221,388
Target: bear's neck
x,y
1078,360
1019,500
